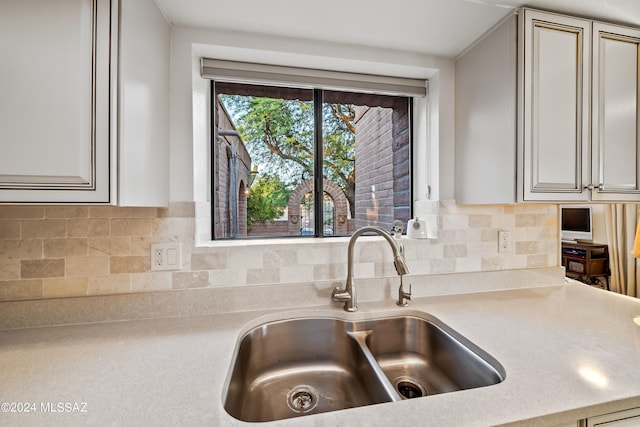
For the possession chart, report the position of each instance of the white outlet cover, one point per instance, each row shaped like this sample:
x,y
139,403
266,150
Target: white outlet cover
x,y
504,242
166,256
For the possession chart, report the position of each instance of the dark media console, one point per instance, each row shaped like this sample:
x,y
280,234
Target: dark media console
x,y
587,262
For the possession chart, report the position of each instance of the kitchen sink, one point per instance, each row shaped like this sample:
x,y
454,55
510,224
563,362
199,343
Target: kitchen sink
x,y
297,367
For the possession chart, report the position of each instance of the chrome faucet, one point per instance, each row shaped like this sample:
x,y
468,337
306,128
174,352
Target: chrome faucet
x,y
348,294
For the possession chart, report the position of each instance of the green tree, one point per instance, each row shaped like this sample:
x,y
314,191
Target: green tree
x,y
268,199
279,136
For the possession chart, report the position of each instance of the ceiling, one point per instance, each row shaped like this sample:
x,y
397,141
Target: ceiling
x,y
439,27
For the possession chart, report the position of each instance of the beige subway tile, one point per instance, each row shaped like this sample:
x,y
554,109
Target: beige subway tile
x,y
89,227
455,222
539,261
372,252
67,212
296,273
515,262
151,282
479,221
280,258
442,266
248,258
469,264
429,251
209,261
141,245
54,248
263,275
120,212
87,266
44,228
454,251
12,290
550,221
65,287
110,284
491,263
382,269
503,222
109,246
526,247
41,268
9,269
481,249
489,235
446,236
526,220
191,279
221,278
170,229
329,271
103,212
21,212
130,227
178,209
21,249
129,264
9,229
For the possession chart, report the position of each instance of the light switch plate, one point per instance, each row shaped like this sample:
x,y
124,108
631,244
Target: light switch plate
x,y
166,256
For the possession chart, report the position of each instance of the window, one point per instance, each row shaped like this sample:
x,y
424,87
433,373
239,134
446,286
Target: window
x,y
271,143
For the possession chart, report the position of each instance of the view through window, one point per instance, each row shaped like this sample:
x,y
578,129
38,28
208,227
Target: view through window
x,y
267,152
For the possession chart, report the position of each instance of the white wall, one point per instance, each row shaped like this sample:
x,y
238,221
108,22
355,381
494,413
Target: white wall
x,y
189,132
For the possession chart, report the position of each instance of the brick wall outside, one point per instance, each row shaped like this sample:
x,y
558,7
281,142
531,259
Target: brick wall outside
x,y
374,167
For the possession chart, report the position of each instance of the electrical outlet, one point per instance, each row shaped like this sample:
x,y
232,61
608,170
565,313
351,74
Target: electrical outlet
x,y
504,242
166,256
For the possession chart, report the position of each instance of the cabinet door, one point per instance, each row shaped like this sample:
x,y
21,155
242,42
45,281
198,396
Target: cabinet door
x,y
555,114
628,418
54,108
615,113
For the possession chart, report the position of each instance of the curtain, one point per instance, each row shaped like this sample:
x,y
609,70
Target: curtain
x,y
620,225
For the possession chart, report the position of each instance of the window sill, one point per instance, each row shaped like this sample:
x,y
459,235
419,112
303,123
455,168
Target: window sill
x,y
294,241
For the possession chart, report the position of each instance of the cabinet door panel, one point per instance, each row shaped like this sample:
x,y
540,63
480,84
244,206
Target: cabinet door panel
x,y
54,109
615,113
556,107
628,418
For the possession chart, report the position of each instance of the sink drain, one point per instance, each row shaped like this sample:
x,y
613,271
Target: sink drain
x,y
410,388
302,399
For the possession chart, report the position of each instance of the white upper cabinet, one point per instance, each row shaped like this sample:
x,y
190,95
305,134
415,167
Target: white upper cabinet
x,y
615,113
571,126
556,63
55,103
85,102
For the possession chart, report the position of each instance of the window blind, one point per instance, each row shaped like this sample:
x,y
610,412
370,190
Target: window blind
x,y
252,73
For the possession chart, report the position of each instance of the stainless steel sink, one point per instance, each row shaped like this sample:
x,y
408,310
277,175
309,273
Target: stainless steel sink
x,y
306,366
423,358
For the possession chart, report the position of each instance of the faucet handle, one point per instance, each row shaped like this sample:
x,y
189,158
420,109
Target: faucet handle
x,y
403,296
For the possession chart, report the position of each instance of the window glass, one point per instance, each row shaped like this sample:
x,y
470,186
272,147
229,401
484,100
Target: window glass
x,y
266,149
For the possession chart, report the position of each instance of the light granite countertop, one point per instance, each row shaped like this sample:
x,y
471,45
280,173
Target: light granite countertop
x,y
569,351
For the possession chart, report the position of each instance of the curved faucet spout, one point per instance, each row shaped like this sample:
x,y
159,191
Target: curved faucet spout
x,y
348,294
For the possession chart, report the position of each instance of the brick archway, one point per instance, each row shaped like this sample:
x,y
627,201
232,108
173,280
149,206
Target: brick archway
x,y
339,201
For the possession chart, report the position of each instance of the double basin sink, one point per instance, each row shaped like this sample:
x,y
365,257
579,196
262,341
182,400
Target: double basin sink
x,y
303,366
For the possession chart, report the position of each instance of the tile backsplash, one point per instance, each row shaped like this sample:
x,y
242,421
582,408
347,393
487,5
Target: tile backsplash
x,y
70,251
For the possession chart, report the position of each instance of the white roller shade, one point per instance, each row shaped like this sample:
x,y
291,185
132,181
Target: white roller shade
x,y
247,72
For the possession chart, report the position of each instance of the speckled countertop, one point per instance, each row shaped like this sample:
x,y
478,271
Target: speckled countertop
x,y
569,351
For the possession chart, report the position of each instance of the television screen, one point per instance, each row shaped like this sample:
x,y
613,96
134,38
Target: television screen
x,y
576,223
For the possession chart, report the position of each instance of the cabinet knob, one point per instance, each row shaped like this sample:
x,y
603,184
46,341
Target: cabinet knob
x,y
590,187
